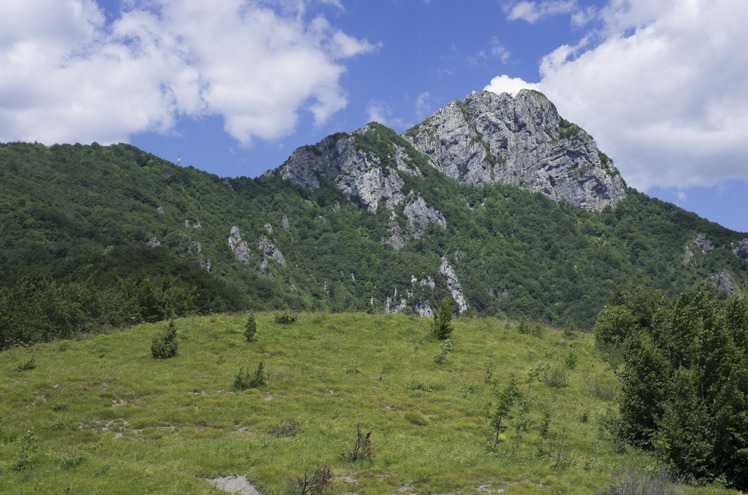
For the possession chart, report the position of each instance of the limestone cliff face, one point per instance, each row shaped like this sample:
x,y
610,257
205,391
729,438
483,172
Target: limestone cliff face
x,y
359,176
490,138
366,178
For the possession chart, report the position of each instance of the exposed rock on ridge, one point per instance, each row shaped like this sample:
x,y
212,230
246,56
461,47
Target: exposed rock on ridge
x,y
522,141
741,249
365,178
238,245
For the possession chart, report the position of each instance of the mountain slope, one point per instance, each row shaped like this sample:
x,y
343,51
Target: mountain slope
x,y
376,220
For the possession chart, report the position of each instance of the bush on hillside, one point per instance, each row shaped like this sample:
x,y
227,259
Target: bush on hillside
x,y
164,345
250,329
441,326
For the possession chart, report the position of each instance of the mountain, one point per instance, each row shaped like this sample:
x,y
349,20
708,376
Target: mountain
x,y
496,202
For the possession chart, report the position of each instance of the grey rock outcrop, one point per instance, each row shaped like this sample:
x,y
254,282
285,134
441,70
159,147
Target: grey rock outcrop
x,y
238,245
154,242
364,179
359,176
723,282
490,138
453,284
270,251
424,309
704,243
192,225
740,249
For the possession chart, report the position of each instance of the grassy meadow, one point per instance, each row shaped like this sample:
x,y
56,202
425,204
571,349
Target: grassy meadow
x,y
100,415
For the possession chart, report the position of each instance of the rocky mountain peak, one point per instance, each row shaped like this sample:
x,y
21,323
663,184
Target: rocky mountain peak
x,y
523,141
486,138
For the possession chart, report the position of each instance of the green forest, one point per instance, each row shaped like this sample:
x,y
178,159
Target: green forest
x,y
97,241
76,220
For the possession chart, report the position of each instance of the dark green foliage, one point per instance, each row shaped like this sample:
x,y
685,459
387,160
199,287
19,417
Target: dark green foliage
x,y
361,448
685,381
70,213
28,364
250,329
284,317
315,483
244,379
533,328
164,344
87,295
441,326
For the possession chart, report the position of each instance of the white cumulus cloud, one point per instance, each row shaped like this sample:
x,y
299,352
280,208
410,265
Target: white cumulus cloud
x,y
67,75
663,89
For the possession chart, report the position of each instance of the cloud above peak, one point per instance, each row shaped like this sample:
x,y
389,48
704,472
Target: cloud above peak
x,y
663,88
66,75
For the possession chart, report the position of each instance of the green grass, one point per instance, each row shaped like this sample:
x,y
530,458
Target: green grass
x,y
108,418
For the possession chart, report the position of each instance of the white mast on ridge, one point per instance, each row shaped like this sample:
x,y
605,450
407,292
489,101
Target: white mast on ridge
x,y
179,157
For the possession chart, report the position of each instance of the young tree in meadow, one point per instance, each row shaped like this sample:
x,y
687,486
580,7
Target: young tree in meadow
x,y
250,329
441,327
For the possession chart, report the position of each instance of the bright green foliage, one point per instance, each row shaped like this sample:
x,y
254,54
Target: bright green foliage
x,y
501,414
165,426
165,345
250,328
444,349
684,381
284,317
441,326
27,449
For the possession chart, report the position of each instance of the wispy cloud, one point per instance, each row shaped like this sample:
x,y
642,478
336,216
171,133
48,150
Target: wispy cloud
x,y
534,11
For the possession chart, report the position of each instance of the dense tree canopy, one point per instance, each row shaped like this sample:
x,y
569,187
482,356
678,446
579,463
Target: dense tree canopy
x,y
684,379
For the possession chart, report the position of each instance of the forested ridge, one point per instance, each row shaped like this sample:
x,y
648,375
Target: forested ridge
x,y
515,254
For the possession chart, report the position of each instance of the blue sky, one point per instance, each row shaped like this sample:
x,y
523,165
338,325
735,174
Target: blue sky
x,y
234,86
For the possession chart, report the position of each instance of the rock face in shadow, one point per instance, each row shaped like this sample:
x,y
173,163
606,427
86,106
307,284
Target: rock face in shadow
x,y
490,138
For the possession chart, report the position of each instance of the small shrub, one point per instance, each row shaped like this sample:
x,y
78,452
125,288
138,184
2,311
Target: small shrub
x,y
25,457
250,329
244,379
571,360
284,318
164,345
601,390
286,428
353,367
555,377
416,385
441,356
530,328
441,327
64,346
361,448
71,458
416,418
28,364
315,483
632,483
